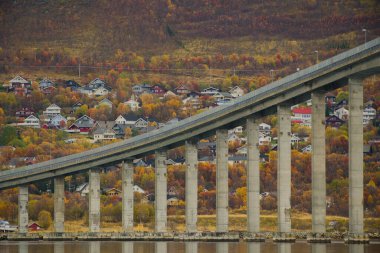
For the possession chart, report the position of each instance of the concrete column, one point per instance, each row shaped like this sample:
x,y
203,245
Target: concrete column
x,y
127,247
160,202
94,201
59,204
94,247
318,163
355,135
59,247
222,247
161,247
284,247
191,190
23,217
283,168
318,247
127,196
221,180
253,247
191,247
253,176
356,248
23,247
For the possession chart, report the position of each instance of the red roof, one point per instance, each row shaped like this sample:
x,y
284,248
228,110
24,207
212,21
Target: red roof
x,y
302,110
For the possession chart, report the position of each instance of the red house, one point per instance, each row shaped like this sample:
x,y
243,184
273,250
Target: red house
x,y
158,90
82,125
34,227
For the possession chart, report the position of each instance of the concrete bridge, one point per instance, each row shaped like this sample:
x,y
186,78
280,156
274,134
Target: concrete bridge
x,y
348,68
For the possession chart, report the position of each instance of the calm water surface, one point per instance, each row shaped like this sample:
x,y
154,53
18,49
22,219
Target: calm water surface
x,y
181,247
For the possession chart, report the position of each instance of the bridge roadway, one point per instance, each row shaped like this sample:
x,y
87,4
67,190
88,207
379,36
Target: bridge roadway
x,y
361,61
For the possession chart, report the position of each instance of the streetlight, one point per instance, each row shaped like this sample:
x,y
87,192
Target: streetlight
x,y
316,51
365,35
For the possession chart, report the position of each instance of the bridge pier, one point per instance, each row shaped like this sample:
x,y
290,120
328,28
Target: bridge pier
x,y
59,204
127,196
253,176
355,135
283,168
23,217
318,163
221,180
94,201
191,184
160,202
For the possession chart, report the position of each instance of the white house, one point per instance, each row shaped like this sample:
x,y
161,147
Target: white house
x,y
369,113
31,121
301,114
342,113
141,123
236,91
83,189
128,119
307,149
138,189
265,128
294,139
101,134
265,140
52,111
236,130
210,91
58,121
133,104
101,91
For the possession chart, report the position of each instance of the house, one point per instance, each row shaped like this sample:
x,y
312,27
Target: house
x,y
307,149
120,130
52,111
31,121
127,119
82,125
45,83
233,138
334,121
83,189
172,192
182,90
265,140
19,86
169,93
210,91
342,113
95,88
76,106
58,121
103,131
24,112
105,102
192,102
236,91
141,123
133,104
301,115
158,90
265,128
223,96
236,130
173,201
369,113
34,227
294,139
71,85
21,161
111,192
48,90
139,163
141,88
138,189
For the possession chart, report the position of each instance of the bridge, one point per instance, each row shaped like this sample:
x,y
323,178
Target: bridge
x,y
348,68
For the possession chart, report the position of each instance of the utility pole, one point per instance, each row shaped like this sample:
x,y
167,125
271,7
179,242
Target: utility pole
x,y
79,69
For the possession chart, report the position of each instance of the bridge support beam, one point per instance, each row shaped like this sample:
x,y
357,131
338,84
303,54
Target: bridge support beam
x,y
127,196
355,135
59,204
191,191
23,217
160,202
253,176
318,163
283,168
94,201
222,180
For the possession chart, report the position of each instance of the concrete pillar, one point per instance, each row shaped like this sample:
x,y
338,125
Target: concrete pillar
x,y
23,217
222,247
23,247
160,202
161,247
191,247
355,135
191,191
284,247
318,163
356,248
94,201
127,247
283,168
221,180
59,247
59,204
253,176
127,196
94,247
253,247
318,247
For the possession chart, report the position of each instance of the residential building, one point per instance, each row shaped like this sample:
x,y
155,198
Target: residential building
x,y
58,121
106,102
19,86
72,85
182,90
334,121
103,130
342,113
236,91
83,189
141,88
127,119
133,104
301,115
265,128
210,91
158,90
31,121
45,83
111,192
24,112
82,125
138,189
369,113
223,96
52,111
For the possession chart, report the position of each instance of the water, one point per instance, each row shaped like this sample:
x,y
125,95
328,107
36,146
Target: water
x,y
182,247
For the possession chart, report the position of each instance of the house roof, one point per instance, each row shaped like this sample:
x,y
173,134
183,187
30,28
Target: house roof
x,y
18,79
302,110
84,121
131,117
